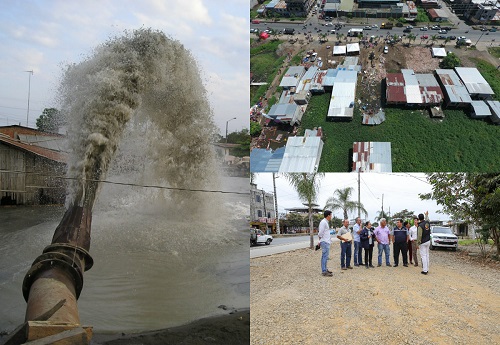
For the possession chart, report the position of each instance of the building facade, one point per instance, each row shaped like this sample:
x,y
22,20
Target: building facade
x,y
261,206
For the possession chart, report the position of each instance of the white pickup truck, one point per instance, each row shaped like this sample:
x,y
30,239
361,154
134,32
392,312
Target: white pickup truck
x,y
258,236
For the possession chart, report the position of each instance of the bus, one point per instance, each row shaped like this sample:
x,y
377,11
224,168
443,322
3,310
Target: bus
x,y
354,32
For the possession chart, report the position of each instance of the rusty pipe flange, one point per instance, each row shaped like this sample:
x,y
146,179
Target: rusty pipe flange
x,y
70,250
46,265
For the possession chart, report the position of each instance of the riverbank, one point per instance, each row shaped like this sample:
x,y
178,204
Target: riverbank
x,y
292,303
226,329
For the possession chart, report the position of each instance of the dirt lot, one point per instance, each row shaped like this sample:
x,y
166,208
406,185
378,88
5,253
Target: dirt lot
x,y
292,303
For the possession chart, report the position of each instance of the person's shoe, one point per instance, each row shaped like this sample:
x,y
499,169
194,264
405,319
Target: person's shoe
x,y
349,267
367,267
394,265
356,265
411,263
343,268
379,265
329,271
416,265
372,266
389,265
405,265
327,274
424,272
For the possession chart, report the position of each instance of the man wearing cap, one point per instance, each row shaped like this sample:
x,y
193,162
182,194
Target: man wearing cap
x,y
345,237
325,241
424,241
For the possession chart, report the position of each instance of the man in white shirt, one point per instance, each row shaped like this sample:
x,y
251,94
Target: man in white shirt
x,y
325,241
413,241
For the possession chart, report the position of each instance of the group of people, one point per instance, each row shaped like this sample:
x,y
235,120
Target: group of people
x,y
405,238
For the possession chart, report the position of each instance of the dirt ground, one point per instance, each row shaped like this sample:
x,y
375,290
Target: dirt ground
x,y
292,303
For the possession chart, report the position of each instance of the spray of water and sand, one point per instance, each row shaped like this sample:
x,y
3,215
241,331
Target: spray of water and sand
x,y
143,89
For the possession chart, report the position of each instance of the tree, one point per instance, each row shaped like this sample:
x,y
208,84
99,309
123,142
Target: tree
x,y
404,215
411,37
50,120
472,197
451,60
382,214
242,138
340,201
255,129
307,187
434,38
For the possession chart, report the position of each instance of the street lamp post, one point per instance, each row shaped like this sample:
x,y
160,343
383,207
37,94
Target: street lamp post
x,y
234,118
29,90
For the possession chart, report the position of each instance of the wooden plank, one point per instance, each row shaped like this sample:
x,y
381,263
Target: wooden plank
x,y
75,336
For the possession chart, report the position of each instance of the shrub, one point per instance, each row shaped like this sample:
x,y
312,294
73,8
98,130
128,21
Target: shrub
x,y
255,129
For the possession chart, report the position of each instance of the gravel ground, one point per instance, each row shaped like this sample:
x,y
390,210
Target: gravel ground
x,y
292,303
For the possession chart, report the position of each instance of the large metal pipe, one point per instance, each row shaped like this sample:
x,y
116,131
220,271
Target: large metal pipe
x,y
53,284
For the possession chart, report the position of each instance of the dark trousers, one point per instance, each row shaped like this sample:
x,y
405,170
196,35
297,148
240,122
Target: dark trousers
x,y
368,255
345,254
403,248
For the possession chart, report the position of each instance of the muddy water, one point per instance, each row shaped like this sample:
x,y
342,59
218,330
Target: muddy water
x,y
149,272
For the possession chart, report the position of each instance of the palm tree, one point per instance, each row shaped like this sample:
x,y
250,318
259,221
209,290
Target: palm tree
x,y
307,187
448,39
411,37
340,201
434,38
382,214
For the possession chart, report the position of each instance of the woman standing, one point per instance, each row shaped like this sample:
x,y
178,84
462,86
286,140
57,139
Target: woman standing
x,y
367,243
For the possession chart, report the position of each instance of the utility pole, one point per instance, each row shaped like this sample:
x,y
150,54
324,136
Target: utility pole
x,y
359,195
276,205
29,91
265,211
382,203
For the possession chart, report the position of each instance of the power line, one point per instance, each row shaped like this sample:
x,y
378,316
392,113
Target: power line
x,y
129,184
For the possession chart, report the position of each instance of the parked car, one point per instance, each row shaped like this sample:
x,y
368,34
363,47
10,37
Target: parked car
x,y
436,27
493,30
424,37
452,38
461,38
442,32
375,26
258,236
442,236
484,29
386,49
441,37
407,30
425,28
329,24
409,27
368,27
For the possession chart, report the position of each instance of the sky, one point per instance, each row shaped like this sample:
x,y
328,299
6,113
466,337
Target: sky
x,y
400,191
44,36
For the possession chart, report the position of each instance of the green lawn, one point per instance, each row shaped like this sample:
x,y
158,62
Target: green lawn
x,y
494,51
491,74
419,144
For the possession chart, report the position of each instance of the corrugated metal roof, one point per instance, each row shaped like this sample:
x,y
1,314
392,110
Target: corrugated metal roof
x,y
412,89
262,160
495,111
480,109
307,79
51,143
286,97
330,76
37,150
292,76
453,86
317,82
429,89
352,47
339,50
372,157
438,52
282,109
474,81
343,93
302,154
395,91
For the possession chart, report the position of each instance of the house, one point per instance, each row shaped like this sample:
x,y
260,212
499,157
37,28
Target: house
x,y
438,52
341,105
475,83
286,113
262,210
302,154
33,166
292,77
371,157
495,111
413,89
437,15
455,92
479,110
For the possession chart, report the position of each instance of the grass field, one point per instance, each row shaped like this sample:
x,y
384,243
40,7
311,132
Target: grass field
x,y
491,74
419,144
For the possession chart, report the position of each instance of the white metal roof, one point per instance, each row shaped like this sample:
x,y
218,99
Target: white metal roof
x,y
307,79
412,90
481,109
338,50
302,154
438,52
353,47
474,81
292,76
343,93
453,86
495,111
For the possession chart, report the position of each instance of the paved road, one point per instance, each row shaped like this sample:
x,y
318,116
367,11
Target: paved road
x,y
282,245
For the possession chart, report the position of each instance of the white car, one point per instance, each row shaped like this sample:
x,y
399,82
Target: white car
x,y
258,236
425,28
386,49
442,236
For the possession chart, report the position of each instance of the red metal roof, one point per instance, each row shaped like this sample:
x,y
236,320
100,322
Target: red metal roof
x,y
37,150
395,88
